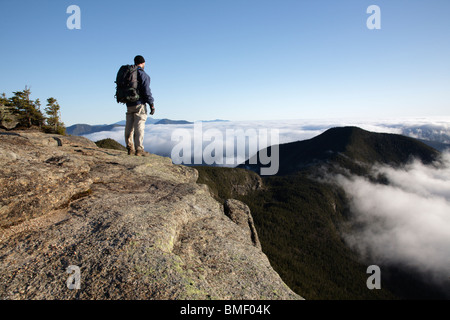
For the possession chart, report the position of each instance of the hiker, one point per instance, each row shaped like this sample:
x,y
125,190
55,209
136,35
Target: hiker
x,y
137,112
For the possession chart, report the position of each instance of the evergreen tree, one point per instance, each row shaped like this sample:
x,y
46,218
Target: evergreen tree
x,y
37,103
4,109
54,116
3,100
7,119
20,109
52,112
25,109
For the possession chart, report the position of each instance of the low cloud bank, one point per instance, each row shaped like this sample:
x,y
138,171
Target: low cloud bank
x,y
158,138
406,222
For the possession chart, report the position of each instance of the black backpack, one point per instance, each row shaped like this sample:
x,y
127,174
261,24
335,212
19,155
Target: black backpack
x,y
127,84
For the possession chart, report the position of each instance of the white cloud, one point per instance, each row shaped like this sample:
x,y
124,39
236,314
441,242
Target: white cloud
x,y
406,222
158,137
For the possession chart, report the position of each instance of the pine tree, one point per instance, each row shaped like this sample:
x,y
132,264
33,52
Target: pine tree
x,y
20,109
37,103
3,99
54,116
7,119
4,108
52,112
25,109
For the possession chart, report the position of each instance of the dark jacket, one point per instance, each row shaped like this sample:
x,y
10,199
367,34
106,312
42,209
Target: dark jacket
x,y
145,93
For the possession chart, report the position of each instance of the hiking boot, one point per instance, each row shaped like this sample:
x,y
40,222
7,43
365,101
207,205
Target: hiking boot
x,y
142,153
130,151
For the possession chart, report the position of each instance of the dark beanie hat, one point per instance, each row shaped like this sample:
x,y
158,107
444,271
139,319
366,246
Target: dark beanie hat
x,y
138,60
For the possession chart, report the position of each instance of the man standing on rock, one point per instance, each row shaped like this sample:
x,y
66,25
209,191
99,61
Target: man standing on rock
x,y
137,112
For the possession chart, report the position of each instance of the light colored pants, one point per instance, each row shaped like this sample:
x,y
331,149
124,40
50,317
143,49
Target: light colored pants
x,y
135,125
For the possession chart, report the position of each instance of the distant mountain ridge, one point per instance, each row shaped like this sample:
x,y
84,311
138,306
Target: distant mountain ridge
x,y
83,129
168,121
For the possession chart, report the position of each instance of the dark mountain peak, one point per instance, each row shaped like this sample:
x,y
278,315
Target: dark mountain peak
x,y
344,131
347,146
333,140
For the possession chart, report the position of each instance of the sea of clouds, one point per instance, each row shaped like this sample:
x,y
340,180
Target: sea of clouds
x,y
159,138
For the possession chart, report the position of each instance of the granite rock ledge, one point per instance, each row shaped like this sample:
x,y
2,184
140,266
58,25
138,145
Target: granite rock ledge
x,y
137,227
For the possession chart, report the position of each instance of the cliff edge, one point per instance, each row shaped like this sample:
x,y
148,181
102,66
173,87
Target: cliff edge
x,y
137,228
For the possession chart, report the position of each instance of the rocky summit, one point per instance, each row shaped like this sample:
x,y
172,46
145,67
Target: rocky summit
x,y
120,227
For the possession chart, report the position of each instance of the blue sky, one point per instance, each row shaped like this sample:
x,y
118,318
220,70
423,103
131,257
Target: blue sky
x,y
236,60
